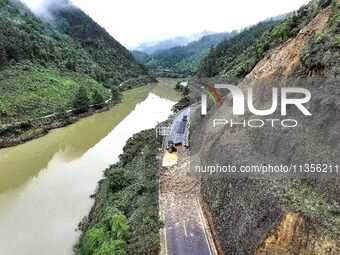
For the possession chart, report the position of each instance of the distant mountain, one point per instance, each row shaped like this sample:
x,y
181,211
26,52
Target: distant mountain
x,y
141,57
181,61
154,46
43,62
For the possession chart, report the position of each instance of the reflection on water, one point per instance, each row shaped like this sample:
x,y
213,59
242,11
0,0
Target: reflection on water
x,y
45,184
19,163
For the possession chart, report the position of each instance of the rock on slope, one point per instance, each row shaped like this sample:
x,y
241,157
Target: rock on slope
x,y
281,216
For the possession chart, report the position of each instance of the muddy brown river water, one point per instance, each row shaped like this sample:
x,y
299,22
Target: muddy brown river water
x,y
45,184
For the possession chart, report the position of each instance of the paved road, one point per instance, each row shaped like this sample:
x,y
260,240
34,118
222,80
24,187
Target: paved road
x,y
184,231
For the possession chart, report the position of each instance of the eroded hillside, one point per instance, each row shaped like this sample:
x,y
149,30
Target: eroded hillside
x,y
43,62
283,216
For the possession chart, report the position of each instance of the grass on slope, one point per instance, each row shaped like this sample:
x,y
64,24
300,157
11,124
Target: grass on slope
x,y
73,42
28,92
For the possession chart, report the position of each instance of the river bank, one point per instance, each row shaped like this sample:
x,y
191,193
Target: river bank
x,y
20,133
124,218
51,178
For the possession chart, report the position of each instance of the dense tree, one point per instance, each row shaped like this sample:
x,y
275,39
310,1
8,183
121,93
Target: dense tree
x,y
61,112
181,61
126,213
115,93
182,104
98,99
81,101
73,50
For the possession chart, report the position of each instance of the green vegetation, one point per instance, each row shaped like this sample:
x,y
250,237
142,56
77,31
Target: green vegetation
x,y
109,238
42,65
183,89
115,63
181,61
182,104
227,55
185,101
115,95
37,91
124,219
81,101
316,55
141,57
236,57
97,99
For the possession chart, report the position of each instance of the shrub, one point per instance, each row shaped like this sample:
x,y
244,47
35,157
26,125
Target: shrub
x,y
92,240
97,99
81,101
114,247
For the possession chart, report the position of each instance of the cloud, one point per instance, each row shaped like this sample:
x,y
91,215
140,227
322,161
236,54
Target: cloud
x,y
42,8
132,22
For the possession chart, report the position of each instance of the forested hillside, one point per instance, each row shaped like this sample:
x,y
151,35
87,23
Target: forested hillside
x,y
181,61
115,62
155,46
43,64
234,58
124,219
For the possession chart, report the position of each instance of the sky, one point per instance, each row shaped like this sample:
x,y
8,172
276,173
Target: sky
x,y
132,22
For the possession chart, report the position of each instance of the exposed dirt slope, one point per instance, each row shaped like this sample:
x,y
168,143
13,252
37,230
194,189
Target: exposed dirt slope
x,y
289,216
284,59
294,236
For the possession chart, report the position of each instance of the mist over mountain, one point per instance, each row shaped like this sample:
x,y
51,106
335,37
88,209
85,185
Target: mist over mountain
x,y
40,56
43,8
180,61
154,46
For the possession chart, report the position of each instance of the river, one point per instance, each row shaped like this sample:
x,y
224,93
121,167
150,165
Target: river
x,y
45,184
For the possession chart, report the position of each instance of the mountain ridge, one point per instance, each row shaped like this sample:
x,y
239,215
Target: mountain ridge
x,y
181,61
56,53
153,47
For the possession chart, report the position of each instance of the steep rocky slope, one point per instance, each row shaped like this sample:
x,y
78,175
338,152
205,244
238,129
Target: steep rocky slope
x,y
233,59
283,216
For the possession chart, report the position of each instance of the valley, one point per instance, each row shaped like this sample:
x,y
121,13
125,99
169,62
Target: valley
x,y
46,183
107,151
